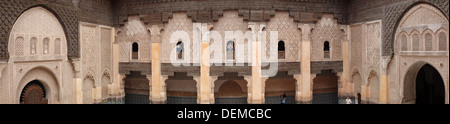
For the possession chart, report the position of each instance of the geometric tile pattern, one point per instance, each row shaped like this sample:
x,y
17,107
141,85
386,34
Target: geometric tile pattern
x,y
288,32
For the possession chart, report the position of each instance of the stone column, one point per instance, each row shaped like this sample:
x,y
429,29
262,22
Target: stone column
x,y
305,68
384,84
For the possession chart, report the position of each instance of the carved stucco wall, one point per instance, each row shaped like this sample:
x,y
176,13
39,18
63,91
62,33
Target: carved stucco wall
x,y
96,59
365,56
373,46
327,29
106,60
230,21
356,56
288,32
134,31
179,22
40,24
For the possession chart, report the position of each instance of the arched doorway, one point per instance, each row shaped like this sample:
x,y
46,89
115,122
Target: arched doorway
x,y
430,87
279,85
325,88
181,89
33,93
230,92
423,84
137,90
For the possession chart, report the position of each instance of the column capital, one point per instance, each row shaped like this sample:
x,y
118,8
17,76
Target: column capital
x,y
155,33
340,78
76,66
205,28
256,26
149,77
345,29
297,76
385,60
248,78
313,75
306,28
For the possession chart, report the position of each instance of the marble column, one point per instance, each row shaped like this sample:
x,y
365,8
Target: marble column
x,y
158,81
305,68
257,80
205,79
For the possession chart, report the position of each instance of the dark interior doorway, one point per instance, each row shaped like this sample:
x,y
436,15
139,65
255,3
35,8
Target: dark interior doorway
x,y
430,87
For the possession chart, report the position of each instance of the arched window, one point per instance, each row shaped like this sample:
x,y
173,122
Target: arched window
x,y
415,43
281,50
33,42
46,44
230,50
428,42
180,50
135,51
326,49
404,43
442,42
